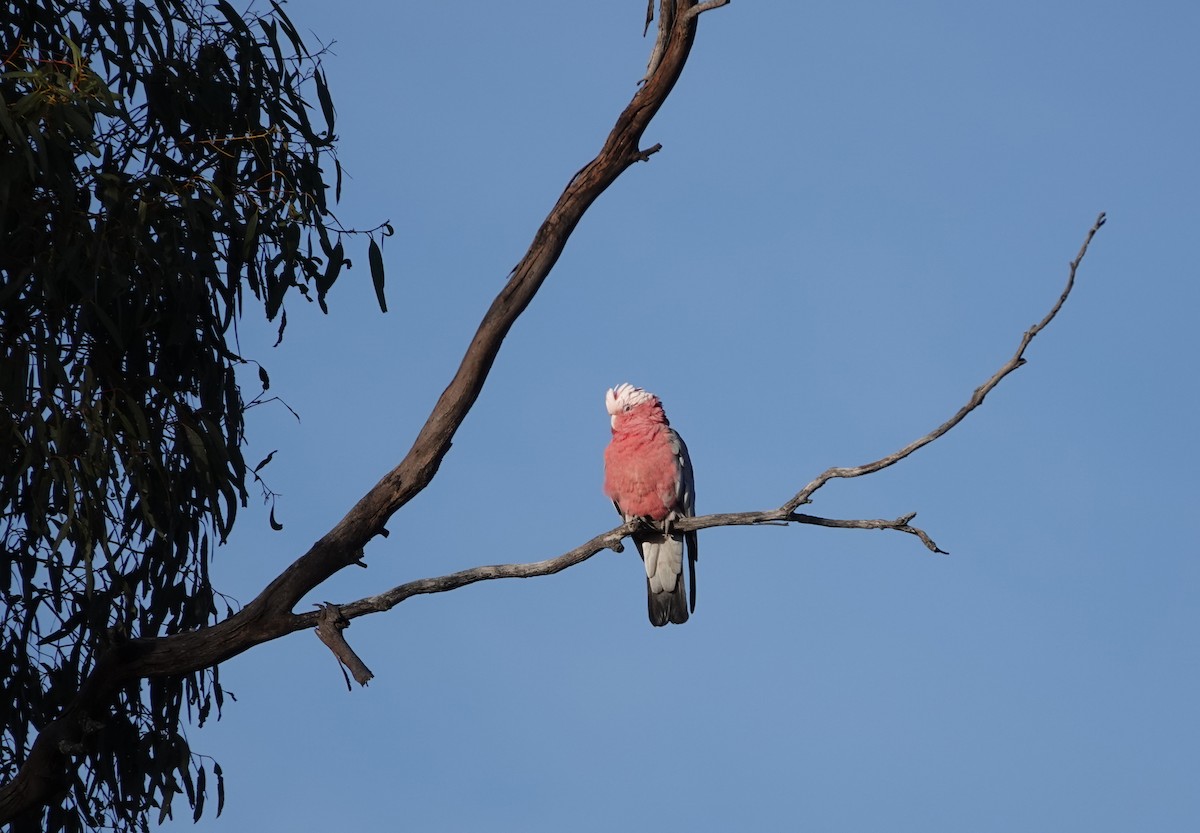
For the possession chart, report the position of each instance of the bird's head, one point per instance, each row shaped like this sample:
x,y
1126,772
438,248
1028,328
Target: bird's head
x,y
625,398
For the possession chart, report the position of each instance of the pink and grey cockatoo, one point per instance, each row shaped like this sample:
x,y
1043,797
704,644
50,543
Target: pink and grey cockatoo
x,y
648,475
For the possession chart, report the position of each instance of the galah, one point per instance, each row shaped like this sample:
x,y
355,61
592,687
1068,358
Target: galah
x,y
648,475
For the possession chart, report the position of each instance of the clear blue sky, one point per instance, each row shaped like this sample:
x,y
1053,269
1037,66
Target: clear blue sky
x,y
857,211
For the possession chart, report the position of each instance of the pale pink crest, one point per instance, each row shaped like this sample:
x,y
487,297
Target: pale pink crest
x,y
625,396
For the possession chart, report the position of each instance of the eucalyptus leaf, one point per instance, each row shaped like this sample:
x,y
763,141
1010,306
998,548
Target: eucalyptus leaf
x,y
169,178
375,257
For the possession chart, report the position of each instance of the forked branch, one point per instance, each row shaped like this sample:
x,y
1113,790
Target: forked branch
x,y
785,514
805,495
45,772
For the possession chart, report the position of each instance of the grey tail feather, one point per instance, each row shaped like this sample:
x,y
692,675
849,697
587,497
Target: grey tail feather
x,y
693,553
667,607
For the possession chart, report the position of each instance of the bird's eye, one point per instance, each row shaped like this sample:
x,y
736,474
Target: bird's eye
x,y
627,408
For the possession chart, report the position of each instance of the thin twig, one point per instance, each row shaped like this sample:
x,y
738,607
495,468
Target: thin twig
x,y
701,8
805,495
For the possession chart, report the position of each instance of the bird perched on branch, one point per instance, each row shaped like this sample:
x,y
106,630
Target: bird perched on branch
x,y
648,476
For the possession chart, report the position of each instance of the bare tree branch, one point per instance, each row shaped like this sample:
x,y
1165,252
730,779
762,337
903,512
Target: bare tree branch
x,y
367,518
669,11
608,540
805,495
269,615
331,622
785,514
441,584
701,8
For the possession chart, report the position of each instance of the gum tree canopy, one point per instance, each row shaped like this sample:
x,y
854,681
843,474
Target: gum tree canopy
x,y
159,168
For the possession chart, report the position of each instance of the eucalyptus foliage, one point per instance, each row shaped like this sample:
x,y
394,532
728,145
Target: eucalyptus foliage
x,y
160,168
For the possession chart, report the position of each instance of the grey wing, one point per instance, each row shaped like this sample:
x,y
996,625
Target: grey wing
x,y
686,487
687,506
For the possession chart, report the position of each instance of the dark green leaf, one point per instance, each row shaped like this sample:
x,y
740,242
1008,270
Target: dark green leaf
x,y
282,327
198,809
167,171
248,239
220,787
375,256
336,259
263,463
68,626
323,97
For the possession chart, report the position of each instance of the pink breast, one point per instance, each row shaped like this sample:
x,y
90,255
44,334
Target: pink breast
x,y
640,478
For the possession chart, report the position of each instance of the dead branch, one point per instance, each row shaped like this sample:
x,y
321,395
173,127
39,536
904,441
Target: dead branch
x,y
785,514
805,495
329,629
666,26
606,540
620,150
269,615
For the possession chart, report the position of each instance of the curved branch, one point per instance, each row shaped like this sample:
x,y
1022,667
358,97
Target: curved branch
x,y
805,495
784,515
366,519
269,615
390,598
607,540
